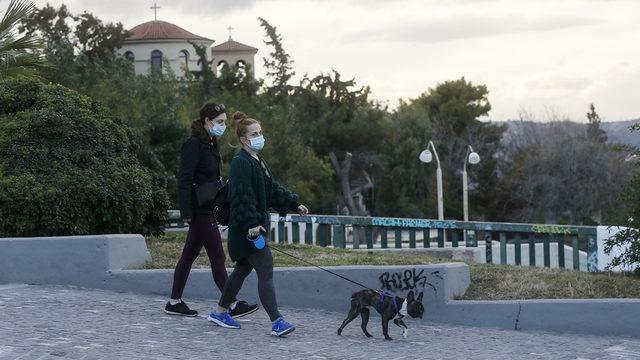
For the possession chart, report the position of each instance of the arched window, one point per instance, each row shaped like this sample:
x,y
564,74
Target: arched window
x,y
241,68
184,58
156,60
129,56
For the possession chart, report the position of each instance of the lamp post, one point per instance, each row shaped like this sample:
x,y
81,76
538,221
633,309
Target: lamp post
x,y
473,158
426,157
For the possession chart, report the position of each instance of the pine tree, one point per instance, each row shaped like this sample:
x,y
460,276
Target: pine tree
x,y
279,66
594,132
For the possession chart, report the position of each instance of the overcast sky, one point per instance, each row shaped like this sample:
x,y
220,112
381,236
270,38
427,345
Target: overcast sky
x,y
541,56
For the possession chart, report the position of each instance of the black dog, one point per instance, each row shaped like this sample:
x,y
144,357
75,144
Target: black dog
x,y
389,306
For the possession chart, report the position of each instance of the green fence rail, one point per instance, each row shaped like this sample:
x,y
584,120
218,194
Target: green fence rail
x,y
512,242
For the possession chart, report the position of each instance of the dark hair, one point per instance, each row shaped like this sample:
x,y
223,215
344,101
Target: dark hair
x,y
209,110
242,123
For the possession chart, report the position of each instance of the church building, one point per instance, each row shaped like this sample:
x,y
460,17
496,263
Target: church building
x,y
155,44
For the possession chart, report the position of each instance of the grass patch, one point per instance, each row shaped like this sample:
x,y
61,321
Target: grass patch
x,y
488,282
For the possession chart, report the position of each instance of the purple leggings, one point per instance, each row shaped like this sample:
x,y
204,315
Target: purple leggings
x,y
203,231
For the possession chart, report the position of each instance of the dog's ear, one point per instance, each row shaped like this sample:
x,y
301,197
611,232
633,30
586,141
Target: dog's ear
x,y
420,296
410,296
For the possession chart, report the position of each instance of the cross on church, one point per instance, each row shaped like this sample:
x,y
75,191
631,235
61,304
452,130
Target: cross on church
x,y
155,8
229,28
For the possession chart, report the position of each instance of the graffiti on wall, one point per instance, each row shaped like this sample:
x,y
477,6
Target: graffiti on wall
x,y
414,223
552,229
409,279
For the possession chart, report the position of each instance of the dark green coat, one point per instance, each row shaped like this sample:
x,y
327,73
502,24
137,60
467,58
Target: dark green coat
x,y
251,195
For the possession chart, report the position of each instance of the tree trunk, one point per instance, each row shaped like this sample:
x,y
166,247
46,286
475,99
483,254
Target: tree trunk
x,y
353,197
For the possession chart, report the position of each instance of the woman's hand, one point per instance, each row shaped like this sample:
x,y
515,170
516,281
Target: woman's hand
x,y
302,210
253,232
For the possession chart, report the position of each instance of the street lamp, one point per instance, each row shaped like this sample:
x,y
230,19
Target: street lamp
x,y
473,158
426,157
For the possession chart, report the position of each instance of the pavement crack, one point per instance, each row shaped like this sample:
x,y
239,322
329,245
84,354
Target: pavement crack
x,y
518,316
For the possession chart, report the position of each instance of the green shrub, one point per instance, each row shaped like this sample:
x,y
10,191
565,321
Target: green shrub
x,y
629,238
67,167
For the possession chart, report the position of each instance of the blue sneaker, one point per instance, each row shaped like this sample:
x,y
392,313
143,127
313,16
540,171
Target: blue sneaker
x,y
281,327
225,320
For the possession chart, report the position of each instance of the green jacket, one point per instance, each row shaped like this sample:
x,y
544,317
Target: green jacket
x,y
251,195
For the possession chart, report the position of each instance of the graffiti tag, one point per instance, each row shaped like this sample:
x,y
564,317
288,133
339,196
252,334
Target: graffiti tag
x,y
414,223
402,281
413,279
552,229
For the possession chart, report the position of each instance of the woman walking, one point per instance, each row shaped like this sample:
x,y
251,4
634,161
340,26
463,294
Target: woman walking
x,y
200,164
252,192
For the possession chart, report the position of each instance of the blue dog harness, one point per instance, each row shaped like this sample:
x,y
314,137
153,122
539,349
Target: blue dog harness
x,y
380,307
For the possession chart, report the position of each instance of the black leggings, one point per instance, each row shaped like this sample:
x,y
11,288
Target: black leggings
x,y
262,261
203,231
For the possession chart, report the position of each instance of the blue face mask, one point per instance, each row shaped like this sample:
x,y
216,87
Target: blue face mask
x,y
257,143
217,130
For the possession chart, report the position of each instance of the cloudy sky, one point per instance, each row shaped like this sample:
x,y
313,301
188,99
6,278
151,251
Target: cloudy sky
x,y
540,56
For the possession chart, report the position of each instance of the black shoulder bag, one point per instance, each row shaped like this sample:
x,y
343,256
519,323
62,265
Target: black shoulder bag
x,y
206,193
222,206
209,193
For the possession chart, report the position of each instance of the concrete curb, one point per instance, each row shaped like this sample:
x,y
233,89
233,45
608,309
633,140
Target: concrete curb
x,y
305,287
604,317
100,262
69,260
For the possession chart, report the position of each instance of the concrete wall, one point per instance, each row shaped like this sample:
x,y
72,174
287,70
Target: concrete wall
x,y
170,50
604,233
306,287
608,317
69,260
101,262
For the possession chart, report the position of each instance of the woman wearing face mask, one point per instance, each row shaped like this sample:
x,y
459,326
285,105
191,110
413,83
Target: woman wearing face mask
x,y
252,192
200,164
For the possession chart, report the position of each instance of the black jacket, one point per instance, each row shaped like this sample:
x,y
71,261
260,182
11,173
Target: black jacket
x,y
199,164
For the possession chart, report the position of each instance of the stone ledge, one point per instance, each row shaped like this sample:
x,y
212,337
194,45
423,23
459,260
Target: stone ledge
x,y
603,317
308,287
98,262
69,260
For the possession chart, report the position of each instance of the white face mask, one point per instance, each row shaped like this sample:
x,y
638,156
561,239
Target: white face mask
x,y
257,143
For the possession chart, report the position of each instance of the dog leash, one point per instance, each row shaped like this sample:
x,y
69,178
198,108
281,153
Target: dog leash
x,y
338,275
321,268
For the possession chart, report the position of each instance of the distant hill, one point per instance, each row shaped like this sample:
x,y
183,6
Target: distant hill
x,y
617,131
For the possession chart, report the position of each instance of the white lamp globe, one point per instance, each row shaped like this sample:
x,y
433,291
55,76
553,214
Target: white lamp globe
x,y
474,158
425,156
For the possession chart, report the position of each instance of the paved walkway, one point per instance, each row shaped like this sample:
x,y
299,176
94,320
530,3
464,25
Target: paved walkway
x,y
44,322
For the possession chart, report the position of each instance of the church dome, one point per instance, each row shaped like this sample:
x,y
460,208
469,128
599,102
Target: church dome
x,y
161,30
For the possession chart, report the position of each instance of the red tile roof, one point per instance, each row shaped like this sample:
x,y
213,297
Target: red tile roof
x,y
232,45
161,30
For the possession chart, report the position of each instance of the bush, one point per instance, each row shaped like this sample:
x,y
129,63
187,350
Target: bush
x,y
629,238
67,167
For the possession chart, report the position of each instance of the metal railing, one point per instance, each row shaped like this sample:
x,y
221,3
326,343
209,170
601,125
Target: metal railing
x,y
572,247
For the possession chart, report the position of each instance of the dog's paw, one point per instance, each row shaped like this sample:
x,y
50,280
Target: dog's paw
x,y
405,333
388,338
339,332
